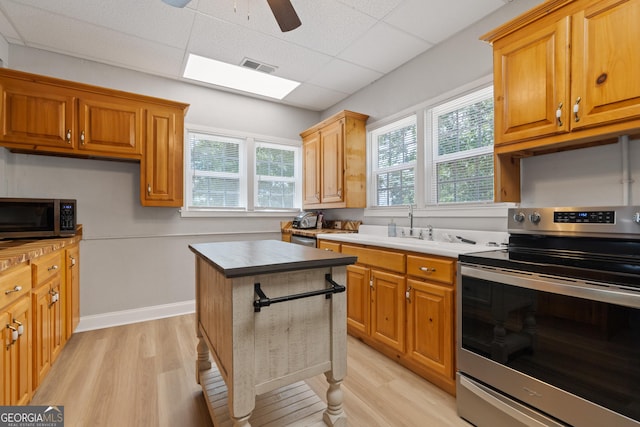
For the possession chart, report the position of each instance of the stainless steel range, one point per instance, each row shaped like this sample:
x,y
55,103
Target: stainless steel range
x,y
549,329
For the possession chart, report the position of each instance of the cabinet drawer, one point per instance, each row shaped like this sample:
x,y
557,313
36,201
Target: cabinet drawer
x,y
437,269
393,261
45,267
14,283
329,246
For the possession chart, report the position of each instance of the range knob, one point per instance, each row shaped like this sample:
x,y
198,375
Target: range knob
x,y
518,217
636,217
534,217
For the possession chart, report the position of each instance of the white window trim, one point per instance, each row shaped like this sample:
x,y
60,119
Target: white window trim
x,y
462,210
297,178
247,165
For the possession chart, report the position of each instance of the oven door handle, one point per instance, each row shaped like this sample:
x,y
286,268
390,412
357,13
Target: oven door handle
x,y
500,405
591,290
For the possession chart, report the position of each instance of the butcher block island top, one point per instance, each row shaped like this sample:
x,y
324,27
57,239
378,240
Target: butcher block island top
x,y
270,314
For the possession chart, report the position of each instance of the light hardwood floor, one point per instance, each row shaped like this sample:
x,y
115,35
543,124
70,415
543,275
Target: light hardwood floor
x,y
144,375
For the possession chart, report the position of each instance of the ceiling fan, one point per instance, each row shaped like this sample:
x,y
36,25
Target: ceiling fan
x,y
283,11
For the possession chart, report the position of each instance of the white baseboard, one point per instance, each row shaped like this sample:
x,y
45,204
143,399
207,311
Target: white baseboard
x,y
125,317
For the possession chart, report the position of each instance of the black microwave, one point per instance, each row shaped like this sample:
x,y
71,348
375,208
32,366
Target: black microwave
x,y
37,218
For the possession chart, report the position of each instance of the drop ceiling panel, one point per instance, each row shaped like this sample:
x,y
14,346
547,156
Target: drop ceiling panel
x,y
223,41
384,48
375,8
313,97
344,77
435,21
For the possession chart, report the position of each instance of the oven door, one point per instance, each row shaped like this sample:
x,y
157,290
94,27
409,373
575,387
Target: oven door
x,y
568,348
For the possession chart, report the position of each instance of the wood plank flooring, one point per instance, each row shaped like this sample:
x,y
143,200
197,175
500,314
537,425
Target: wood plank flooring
x,y
144,375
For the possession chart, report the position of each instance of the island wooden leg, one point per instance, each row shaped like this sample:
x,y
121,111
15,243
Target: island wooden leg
x,y
203,362
241,421
334,415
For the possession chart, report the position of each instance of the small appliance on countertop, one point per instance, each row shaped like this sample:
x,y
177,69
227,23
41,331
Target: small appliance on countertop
x,y
305,220
22,218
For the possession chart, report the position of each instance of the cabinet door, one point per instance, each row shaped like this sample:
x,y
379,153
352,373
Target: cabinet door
x,y
42,338
311,167
332,163
37,115
430,326
531,82
358,300
20,354
5,372
162,163
58,336
72,290
387,309
109,126
606,63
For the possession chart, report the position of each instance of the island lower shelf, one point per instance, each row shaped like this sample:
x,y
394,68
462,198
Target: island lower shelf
x,y
268,330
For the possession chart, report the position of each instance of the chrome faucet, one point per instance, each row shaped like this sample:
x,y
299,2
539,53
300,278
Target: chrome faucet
x,y
410,220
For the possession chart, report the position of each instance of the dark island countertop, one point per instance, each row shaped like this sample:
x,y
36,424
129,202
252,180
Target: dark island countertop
x,y
247,258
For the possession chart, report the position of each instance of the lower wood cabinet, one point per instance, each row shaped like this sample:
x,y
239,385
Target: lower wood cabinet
x,y
403,305
34,306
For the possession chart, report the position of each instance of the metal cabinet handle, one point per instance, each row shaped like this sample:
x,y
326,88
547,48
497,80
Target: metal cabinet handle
x,y
14,335
73,260
68,136
149,189
52,268
16,288
82,137
576,109
407,294
559,115
427,269
20,327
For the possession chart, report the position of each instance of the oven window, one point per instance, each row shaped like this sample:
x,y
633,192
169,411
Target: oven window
x,y
588,348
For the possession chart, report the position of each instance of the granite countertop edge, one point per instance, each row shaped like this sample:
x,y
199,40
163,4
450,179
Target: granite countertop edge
x,y
16,252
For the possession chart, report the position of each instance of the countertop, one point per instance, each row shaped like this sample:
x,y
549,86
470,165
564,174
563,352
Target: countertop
x,y
376,236
14,252
247,258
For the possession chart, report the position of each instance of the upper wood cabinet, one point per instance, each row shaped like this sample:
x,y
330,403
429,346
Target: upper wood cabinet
x,y
50,116
565,77
334,154
109,125
162,166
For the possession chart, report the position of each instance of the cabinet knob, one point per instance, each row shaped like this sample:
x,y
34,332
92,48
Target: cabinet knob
x,y
82,137
68,136
559,115
576,109
16,288
407,294
52,268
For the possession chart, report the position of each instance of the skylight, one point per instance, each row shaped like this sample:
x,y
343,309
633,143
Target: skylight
x,y
236,77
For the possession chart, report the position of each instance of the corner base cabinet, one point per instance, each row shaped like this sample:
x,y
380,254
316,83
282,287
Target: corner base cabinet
x,y
270,314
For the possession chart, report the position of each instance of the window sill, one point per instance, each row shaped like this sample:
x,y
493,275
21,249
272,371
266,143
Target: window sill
x,y
490,210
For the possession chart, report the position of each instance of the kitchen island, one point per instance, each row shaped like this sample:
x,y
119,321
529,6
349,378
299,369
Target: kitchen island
x,y
270,314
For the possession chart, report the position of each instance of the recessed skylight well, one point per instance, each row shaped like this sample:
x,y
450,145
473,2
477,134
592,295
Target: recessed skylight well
x,y
236,77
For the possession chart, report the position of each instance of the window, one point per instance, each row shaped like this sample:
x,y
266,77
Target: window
x,y
394,163
462,140
450,161
239,173
216,164
275,176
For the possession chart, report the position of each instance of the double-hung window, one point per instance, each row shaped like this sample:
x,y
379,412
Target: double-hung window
x,y
276,176
394,162
462,142
234,172
217,173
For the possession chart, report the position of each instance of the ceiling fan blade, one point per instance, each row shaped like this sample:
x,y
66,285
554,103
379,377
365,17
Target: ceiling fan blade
x,y
177,3
285,14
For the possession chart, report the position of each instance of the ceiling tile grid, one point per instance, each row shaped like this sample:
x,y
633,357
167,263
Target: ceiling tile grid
x,y
341,46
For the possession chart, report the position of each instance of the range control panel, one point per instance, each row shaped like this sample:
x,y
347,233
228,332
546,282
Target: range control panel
x,y
585,217
610,221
